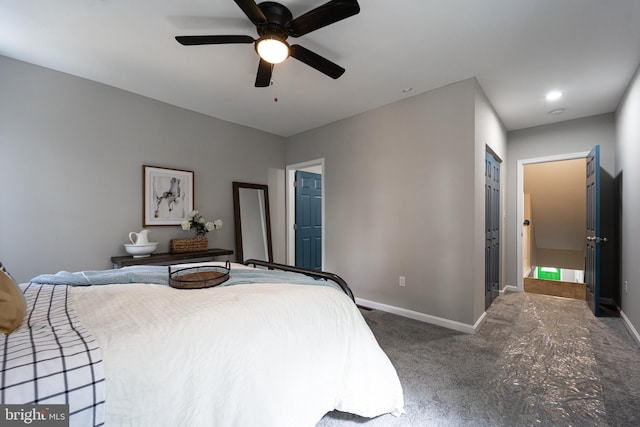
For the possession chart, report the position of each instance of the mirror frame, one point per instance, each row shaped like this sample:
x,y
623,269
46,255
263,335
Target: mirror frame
x,y
238,223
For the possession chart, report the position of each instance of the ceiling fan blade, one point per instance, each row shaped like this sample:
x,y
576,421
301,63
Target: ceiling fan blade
x,y
253,12
316,61
328,13
263,78
198,40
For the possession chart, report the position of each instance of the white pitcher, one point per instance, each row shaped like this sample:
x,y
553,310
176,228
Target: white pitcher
x,y
141,238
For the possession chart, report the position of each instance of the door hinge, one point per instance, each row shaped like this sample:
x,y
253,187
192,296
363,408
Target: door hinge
x,y
295,184
295,226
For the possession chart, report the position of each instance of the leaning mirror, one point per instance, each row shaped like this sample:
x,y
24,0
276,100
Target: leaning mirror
x,y
252,223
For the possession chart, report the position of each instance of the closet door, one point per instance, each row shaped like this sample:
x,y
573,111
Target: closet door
x,y
308,225
492,229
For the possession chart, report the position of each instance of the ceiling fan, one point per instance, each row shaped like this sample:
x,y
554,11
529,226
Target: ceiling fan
x,y
274,23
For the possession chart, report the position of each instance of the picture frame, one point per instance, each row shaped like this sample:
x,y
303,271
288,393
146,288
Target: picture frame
x,y
167,195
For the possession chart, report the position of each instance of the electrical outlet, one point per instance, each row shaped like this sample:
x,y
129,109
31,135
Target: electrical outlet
x,y
626,287
402,281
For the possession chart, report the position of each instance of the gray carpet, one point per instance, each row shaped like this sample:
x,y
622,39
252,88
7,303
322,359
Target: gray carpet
x,y
536,361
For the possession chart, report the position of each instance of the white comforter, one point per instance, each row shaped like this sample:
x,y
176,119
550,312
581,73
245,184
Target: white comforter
x,y
247,355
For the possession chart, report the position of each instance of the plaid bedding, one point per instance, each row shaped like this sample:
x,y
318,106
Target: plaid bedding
x,y
52,359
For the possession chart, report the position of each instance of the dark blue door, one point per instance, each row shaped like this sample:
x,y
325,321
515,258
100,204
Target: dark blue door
x,y
308,220
492,229
592,261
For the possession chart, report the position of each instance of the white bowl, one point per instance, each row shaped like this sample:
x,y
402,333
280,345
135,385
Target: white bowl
x,y
141,251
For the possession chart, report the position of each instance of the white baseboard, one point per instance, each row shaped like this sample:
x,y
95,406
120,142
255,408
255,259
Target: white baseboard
x,y
427,318
630,327
509,288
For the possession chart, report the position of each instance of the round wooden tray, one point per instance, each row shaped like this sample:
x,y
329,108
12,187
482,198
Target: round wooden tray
x,y
199,277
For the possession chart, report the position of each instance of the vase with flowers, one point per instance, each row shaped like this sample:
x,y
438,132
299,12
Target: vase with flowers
x,y
201,226
197,222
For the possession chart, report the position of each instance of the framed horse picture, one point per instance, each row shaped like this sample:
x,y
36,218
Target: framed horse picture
x,y
167,195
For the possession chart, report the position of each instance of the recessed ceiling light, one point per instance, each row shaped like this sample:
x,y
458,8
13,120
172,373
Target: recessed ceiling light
x,y
556,111
554,95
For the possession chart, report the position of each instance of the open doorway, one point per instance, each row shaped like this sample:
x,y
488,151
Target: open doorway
x,y
560,245
554,228
315,167
601,238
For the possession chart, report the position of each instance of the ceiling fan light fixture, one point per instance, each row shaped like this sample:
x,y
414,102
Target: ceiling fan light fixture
x,y
274,24
272,49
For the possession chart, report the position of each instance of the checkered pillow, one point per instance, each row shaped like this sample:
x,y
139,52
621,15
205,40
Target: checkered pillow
x,y
12,304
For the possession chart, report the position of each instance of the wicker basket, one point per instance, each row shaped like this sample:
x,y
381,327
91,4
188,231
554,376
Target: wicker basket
x,y
194,244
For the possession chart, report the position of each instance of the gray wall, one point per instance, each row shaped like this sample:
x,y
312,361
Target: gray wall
x,y
71,156
490,135
401,199
628,173
573,136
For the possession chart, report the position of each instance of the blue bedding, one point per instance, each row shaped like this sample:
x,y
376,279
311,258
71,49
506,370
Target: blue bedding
x,y
134,274
160,275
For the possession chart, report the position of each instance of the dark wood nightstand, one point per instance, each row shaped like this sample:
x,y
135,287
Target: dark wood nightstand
x,y
169,258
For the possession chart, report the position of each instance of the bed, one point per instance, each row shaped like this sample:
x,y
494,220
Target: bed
x,y
279,349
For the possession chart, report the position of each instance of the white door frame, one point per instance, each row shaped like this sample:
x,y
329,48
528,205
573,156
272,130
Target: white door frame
x,y
290,197
520,205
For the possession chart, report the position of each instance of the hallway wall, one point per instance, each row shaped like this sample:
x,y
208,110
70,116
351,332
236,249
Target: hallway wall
x,y
628,179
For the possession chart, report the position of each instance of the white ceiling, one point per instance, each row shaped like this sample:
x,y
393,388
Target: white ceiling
x,y
517,49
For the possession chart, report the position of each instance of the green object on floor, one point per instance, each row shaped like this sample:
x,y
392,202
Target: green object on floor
x,y
548,273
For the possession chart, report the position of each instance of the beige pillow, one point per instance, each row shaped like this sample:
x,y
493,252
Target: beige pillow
x,y
12,304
